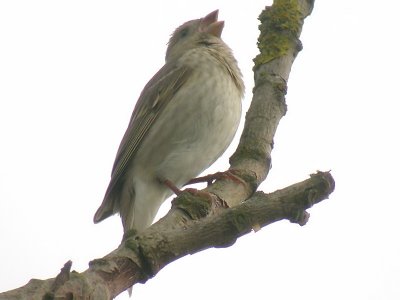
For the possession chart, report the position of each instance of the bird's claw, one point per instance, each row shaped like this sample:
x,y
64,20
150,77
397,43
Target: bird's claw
x,y
229,174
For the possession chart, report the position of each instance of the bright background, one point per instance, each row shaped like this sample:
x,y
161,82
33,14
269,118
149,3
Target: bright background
x,y
70,73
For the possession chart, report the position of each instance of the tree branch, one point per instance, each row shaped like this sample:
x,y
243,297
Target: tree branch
x,y
197,222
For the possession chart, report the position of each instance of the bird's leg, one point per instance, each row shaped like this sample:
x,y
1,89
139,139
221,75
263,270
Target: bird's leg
x,y
172,186
194,192
229,174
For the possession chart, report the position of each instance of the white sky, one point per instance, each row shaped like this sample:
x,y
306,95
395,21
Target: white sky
x,y
70,73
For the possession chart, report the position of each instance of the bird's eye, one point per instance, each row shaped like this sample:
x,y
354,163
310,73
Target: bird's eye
x,y
184,32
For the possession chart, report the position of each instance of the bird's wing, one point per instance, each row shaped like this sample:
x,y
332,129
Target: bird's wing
x,y
156,95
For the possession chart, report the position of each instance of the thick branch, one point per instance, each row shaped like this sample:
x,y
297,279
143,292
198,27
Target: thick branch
x,y
141,257
279,44
162,244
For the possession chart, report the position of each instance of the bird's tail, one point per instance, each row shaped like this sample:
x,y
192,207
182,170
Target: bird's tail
x,y
106,209
110,204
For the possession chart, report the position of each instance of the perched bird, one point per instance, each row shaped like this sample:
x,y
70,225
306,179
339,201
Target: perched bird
x,y
184,119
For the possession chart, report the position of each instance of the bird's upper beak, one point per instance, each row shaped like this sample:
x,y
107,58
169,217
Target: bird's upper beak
x,y
211,25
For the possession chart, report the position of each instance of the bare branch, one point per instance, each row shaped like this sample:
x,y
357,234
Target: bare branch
x,y
139,258
279,45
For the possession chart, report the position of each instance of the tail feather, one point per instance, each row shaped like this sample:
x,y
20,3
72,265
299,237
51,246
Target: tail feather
x,y
105,210
109,205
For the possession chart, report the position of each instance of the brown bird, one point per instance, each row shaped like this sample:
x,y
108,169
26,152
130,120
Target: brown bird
x,y
184,119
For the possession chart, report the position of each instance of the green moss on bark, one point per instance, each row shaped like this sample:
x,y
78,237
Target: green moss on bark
x,y
280,26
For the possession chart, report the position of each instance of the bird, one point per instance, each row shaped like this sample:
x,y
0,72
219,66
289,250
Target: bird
x,y
183,121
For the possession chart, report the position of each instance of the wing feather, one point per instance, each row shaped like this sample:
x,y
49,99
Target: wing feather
x,y
156,95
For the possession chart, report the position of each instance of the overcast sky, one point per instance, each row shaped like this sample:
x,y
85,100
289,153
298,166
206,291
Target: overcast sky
x,y
70,73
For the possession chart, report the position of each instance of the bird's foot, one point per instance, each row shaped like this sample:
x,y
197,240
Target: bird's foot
x,y
172,186
192,191
229,174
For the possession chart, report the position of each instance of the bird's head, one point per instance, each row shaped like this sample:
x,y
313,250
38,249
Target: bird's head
x,y
192,33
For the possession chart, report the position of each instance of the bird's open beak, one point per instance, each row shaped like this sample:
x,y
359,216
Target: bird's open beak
x,y
211,25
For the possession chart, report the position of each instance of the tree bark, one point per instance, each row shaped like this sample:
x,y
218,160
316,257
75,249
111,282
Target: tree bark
x,y
199,220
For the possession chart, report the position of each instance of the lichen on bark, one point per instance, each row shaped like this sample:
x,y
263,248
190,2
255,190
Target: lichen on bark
x,y
280,26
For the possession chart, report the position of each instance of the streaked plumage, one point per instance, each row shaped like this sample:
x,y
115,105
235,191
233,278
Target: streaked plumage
x,y
184,119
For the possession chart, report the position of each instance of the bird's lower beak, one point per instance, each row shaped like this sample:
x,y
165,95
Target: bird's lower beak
x,y
211,25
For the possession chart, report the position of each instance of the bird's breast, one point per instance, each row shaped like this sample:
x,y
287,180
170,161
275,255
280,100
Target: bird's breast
x,y
194,129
